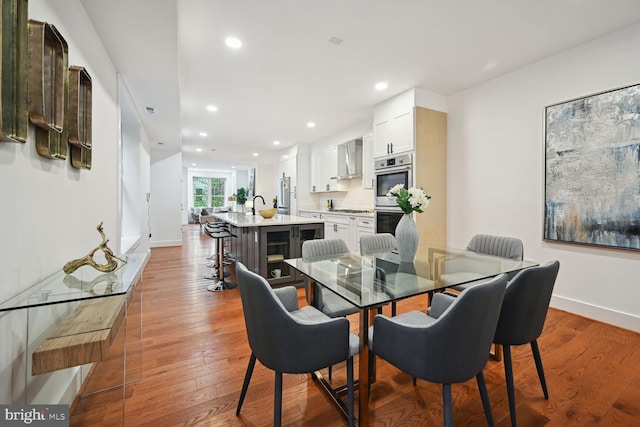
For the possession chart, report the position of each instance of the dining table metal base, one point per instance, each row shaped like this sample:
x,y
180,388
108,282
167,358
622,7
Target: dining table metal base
x,y
334,394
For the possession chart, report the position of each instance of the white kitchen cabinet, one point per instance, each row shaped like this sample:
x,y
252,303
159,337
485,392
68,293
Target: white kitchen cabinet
x,y
363,226
367,162
310,214
337,227
324,170
395,134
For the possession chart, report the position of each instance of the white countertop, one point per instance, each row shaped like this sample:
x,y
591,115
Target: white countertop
x,y
248,220
359,214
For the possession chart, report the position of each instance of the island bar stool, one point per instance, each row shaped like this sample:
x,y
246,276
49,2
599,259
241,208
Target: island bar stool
x,y
214,227
219,234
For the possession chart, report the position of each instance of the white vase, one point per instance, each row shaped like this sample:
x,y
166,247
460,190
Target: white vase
x,y
407,238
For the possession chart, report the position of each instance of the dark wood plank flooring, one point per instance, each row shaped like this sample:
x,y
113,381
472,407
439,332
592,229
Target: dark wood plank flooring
x,y
195,351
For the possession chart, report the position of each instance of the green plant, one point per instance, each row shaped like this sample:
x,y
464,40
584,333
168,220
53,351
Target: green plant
x,y
275,202
241,196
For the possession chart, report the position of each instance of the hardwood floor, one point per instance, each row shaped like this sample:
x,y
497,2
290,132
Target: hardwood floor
x,y
195,351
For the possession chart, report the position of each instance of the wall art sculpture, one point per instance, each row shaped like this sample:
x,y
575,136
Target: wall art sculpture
x,y
592,170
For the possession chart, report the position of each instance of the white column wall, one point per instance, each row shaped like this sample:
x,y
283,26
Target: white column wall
x,y
496,171
166,199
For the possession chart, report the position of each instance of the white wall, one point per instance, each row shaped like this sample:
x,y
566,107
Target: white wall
x,y
51,210
496,171
166,198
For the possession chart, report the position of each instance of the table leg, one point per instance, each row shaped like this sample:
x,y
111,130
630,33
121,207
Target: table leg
x,y
363,367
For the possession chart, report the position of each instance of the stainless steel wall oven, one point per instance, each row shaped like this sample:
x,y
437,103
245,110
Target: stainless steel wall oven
x,y
390,171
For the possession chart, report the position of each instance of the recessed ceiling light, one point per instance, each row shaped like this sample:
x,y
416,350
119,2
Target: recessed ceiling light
x,y
490,65
203,134
233,42
255,154
212,108
276,142
311,125
335,40
160,143
199,150
233,167
194,164
381,86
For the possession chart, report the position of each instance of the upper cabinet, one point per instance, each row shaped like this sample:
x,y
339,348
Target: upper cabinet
x,y
324,169
394,126
395,134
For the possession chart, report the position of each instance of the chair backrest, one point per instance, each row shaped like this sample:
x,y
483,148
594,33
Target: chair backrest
x,y
377,243
504,247
323,247
525,305
279,340
456,346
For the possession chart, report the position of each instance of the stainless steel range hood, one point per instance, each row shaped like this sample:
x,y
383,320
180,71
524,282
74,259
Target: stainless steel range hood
x,y
350,159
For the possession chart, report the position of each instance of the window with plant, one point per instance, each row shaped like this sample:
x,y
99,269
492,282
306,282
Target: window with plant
x,y
208,192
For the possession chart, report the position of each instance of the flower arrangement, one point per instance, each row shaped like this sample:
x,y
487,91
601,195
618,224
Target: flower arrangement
x,y
413,199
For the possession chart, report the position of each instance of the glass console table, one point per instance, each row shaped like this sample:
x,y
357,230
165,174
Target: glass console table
x,y
71,330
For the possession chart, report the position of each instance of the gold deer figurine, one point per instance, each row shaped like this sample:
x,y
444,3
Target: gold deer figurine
x,y
112,259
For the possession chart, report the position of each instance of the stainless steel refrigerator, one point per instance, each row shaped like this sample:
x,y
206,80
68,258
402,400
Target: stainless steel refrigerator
x,y
284,195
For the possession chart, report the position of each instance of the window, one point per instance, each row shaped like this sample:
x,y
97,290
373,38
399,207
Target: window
x,y
208,192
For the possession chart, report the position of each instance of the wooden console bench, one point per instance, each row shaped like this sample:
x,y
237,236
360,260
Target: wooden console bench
x,y
83,337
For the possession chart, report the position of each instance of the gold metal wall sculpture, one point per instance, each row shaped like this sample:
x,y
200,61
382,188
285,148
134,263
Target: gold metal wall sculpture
x,y
78,123
111,259
48,88
14,116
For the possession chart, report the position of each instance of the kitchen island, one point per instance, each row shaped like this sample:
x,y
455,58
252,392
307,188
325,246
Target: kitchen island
x,y
262,244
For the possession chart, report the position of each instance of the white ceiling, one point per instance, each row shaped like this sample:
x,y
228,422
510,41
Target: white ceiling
x,y
172,56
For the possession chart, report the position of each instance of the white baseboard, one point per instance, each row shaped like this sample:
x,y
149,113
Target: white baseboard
x,y
606,315
164,243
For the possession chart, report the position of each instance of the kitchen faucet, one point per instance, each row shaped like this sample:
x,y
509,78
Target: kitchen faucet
x,y
253,208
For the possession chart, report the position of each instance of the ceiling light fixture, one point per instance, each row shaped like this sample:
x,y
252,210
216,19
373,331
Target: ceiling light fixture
x,y
203,134
276,142
212,108
381,85
311,125
194,164
199,150
233,42
255,154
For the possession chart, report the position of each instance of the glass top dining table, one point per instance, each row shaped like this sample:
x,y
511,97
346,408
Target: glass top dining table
x,y
370,281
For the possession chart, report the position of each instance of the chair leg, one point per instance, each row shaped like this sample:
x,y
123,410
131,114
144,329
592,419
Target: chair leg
x,y
330,370
538,359
447,405
245,384
508,373
393,309
350,391
484,395
277,403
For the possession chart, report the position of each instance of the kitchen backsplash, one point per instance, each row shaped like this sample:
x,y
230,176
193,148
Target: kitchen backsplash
x,y
355,198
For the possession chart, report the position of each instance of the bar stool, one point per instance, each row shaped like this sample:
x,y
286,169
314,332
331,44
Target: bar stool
x,y
219,234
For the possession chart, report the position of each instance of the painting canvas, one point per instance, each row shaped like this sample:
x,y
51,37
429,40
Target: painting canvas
x,y
592,177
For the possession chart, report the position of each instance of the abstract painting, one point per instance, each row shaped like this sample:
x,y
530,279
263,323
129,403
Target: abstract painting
x,y
592,170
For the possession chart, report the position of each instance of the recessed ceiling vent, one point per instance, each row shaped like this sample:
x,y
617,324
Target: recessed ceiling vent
x,y
150,110
335,40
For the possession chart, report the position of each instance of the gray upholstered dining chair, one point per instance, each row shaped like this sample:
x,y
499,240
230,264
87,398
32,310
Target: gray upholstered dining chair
x,y
288,339
326,301
524,310
450,349
500,246
371,244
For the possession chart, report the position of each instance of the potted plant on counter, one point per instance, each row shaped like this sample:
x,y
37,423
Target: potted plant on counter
x,y
241,198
